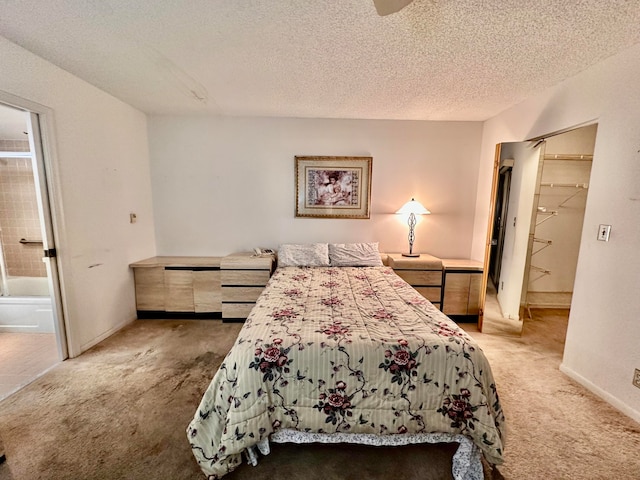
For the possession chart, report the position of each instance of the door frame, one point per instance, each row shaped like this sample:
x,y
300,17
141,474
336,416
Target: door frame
x,y
487,245
42,142
490,222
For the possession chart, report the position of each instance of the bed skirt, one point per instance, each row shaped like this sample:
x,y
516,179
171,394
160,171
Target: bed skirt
x,y
467,461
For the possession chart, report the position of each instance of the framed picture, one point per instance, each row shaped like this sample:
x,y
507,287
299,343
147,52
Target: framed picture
x,y
333,187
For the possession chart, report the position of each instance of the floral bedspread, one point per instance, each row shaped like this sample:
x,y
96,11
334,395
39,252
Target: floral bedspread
x,y
349,350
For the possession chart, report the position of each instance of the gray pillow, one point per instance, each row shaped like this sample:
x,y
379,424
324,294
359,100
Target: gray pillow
x,y
303,255
354,255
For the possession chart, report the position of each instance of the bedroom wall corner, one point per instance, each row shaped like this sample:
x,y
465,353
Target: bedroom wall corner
x,y
102,175
603,332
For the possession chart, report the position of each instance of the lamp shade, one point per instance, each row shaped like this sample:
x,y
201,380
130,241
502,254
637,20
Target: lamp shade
x,y
415,207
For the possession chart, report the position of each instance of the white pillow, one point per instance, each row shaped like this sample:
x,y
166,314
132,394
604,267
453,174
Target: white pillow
x,y
306,255
354,255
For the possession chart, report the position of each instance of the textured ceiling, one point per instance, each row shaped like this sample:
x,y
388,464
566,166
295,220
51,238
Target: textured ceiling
x,y
433,60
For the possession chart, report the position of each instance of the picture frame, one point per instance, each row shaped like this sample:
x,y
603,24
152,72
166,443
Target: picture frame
x,y
333,187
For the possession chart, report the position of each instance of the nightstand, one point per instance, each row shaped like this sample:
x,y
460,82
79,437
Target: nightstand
x,y
178,287
424,273
462,288
243,278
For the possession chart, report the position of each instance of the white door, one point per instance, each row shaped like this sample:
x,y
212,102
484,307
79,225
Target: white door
x,y
48,238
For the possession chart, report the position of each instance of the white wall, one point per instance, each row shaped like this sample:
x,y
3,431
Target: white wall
x,y
101,174
601,348
226,184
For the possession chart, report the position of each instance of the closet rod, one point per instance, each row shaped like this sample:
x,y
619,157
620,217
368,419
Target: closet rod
x,y
559,185
574,157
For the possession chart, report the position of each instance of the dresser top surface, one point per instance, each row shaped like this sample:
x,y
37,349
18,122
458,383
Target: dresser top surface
x,y
247,261
423,262
168,261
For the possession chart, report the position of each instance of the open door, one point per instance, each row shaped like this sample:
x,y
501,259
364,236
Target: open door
x,y
487,249
33,337
508,235
48,240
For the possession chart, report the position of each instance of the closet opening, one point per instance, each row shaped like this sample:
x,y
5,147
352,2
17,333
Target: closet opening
x,y
540,193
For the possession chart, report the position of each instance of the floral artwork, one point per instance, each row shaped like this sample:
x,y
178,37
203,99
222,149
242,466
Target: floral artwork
x,y
345,350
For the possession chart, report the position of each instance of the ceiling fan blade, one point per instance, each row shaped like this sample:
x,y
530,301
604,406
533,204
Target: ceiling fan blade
x,y
387,7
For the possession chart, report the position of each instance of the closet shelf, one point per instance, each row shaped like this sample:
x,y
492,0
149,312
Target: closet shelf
x,y
546,243
543,273
546,216
581,187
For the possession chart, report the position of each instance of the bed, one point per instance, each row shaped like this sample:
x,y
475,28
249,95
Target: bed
x,y
348,354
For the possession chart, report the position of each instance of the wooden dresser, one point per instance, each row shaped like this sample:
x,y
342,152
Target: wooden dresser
x,y
451,284
228,287
243,278
424,273
171,287
462,287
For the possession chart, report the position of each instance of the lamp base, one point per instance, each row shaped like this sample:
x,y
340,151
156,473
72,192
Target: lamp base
x,y
413,255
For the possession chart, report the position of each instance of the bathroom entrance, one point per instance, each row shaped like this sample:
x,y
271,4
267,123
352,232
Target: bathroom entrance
x,y
32,339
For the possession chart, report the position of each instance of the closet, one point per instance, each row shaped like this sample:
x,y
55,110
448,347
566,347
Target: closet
x,y
558,212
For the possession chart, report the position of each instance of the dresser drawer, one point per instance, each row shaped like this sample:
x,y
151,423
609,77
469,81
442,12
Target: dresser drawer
x,y
245,277
421,278
241,294
236,310
433,294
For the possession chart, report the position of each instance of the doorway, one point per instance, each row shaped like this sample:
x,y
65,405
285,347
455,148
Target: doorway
x,y
536,222
32,339
500,220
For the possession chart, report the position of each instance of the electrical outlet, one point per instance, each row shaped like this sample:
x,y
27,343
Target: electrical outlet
x,y
636,378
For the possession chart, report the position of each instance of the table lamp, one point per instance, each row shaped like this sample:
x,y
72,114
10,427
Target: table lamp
x,y
413,208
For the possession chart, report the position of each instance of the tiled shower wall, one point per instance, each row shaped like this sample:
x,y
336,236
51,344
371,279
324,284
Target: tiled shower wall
x,y
19,213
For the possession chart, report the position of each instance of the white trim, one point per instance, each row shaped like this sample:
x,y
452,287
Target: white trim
x,y
105,335
604,395
15,155
50,159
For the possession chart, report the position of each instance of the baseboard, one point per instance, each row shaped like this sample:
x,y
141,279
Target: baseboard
x,y
604,395
105,335
233,320
162,315
549,299
555,306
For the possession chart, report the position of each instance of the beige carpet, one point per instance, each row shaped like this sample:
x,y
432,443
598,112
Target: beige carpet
x,y
120,411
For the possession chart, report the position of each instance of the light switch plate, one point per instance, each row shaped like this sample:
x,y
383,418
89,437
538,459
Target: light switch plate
x,y
603,232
